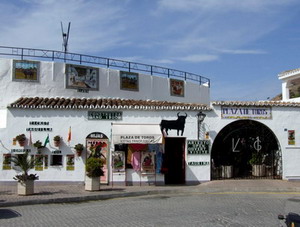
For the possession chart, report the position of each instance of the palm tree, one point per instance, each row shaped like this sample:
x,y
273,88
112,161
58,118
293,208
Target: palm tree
x,y
25,163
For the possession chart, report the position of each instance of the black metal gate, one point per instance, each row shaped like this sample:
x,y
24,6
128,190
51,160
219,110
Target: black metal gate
x,y
246,149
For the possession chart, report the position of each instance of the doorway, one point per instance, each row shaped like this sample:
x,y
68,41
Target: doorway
x,y
246,149
174,161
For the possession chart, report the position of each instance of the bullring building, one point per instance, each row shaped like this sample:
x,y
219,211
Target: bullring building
x,y
153,125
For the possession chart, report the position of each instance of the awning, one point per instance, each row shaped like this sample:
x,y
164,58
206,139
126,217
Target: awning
x,y
136,133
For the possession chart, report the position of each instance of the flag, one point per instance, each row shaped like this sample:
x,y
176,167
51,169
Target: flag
x,y
46,141
30,138
69,134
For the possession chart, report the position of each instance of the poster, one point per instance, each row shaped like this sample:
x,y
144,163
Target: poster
x,y
198,147
6,165
118,161
129,81
97,142
78,77
70,162
26,70
177,87
39,162
291,137
148,162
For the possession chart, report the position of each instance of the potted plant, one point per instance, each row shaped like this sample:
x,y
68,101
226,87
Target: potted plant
x,y
93,173
25,180
227,167
258,168
79,148
38,144
227,171
56,140
21,139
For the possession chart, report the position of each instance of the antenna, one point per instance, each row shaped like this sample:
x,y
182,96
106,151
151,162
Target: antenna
x,y
65,37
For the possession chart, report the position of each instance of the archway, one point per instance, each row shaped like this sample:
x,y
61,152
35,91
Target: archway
x,y
246,149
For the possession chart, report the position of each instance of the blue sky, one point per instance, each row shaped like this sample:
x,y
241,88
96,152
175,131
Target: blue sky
x,y
240,45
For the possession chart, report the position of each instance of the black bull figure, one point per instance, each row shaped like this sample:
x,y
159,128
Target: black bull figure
x,y
174,124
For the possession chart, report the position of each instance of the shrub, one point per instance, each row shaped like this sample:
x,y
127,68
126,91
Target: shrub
x,y
94,167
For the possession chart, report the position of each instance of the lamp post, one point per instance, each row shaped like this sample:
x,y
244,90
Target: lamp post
x,y
200,116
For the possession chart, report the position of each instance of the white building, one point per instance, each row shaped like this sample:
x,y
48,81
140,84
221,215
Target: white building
x,y
93,105
121,112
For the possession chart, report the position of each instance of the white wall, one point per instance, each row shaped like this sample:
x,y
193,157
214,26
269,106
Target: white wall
x,y
61,120
52,84
283,119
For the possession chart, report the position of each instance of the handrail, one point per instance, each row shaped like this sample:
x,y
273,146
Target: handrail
x,y
108,62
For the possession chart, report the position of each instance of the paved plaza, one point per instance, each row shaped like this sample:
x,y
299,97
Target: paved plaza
x,y
66,192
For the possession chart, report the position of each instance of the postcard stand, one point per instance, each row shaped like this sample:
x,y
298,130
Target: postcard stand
x,y
118,167
152,172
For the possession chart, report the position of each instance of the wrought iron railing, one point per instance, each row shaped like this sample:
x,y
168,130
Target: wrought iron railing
x,y
30,53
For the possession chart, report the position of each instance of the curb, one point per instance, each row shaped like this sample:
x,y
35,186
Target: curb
x,y
79,199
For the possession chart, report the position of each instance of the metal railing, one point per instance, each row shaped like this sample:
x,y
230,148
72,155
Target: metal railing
x,y
30,53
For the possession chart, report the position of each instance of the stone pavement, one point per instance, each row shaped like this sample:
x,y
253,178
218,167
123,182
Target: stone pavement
x,y
67,192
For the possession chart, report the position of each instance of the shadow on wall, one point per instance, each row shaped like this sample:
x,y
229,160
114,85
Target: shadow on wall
x,y
191,178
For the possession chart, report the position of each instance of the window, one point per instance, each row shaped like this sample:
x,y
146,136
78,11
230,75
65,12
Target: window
x,y
56,160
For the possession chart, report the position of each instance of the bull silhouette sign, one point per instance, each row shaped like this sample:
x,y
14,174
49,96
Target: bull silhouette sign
x,y
174,124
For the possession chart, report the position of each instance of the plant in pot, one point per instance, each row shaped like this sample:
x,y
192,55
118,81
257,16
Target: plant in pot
x,y
79,148
57,140
24,162
21,139
227,169
258,168
38,144
94,171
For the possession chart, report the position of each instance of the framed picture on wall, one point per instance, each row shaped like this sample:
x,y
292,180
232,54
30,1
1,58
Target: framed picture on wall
x,y
291,137
177,87
27,71
129,81
82,77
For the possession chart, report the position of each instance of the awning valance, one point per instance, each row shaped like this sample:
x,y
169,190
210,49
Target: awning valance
x,y
136,133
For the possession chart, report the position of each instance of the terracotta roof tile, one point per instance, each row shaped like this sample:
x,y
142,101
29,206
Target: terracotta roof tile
x,y
102,103
257,103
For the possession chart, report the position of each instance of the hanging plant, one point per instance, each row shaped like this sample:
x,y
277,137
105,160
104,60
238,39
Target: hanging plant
x,y
57,140
38,144
79,148
21,139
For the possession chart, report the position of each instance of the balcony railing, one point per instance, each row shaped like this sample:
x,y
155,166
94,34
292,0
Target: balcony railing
x,y
30,53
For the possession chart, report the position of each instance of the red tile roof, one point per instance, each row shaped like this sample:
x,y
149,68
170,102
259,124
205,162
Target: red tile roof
x,y
257,103
102,103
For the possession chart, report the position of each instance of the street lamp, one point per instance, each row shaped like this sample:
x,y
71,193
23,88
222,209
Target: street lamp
x,y
200,116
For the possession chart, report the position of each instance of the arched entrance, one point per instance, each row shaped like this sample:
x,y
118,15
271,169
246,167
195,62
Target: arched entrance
x,y
98,142
246,149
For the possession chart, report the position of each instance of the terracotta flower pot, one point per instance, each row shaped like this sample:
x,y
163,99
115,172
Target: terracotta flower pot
x,y
22,142
56,143
78,152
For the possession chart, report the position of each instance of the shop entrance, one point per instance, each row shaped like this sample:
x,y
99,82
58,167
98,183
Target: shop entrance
x,y
246,149
174,162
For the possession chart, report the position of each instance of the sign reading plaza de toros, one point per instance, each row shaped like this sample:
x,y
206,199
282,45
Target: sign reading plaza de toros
x,y
246,112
